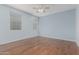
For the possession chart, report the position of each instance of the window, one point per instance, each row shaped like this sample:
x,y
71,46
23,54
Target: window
x,y
15,21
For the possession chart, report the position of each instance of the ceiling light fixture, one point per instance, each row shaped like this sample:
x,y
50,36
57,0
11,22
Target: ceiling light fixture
x,y
41,8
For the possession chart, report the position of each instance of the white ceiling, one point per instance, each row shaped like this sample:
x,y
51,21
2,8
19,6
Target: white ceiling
x,y
53,8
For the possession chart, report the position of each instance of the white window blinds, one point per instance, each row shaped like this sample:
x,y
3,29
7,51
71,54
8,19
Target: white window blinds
x,y
15,21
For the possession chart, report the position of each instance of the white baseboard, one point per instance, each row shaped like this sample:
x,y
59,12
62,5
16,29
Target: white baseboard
x,y
58,38
77,41
22,38
41,36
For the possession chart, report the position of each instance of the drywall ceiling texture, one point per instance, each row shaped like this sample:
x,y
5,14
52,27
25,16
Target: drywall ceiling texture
x,y
53,8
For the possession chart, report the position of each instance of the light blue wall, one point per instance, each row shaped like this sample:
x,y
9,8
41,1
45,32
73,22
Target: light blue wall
x,y
60,25
7,35
77,25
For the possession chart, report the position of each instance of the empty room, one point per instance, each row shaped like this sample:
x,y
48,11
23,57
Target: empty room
x,y
39,29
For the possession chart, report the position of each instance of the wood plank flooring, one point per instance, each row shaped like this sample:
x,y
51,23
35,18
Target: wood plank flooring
x,y
39,46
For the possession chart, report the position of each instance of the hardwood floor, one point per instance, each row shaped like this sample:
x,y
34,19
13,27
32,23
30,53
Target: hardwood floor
x,y
39,46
